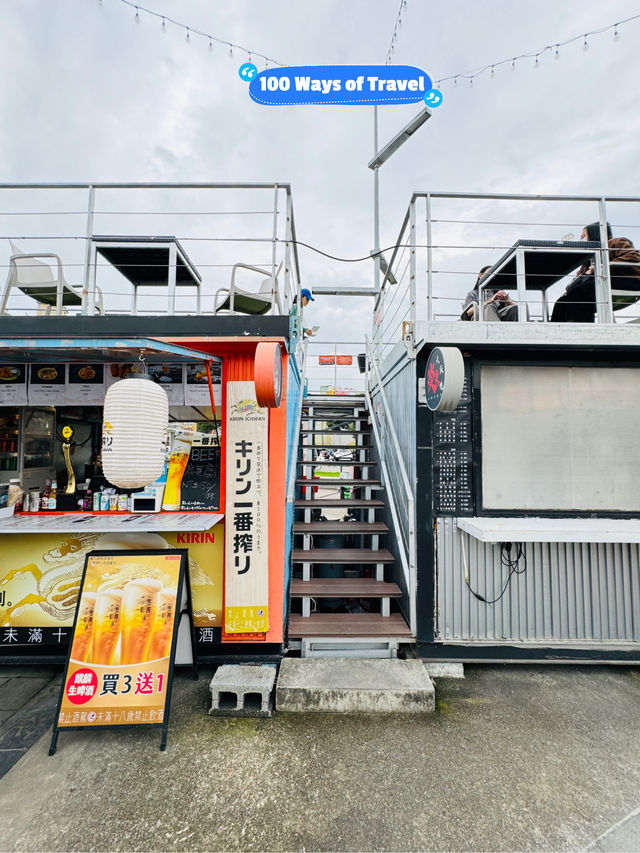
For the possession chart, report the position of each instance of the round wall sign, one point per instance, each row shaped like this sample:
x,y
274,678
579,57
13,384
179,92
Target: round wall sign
x,y
444,379
268,374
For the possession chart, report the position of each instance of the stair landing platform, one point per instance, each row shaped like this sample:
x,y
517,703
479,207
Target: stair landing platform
x,y
346,686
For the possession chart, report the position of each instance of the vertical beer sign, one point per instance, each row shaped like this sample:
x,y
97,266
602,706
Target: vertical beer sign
x,y
246,596
120,664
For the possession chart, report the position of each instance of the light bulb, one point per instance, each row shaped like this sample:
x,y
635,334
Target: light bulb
x,y
399,21
163,26
455,81
230,51
470,81
537,65
513,65
616,34
188,36
210,44
585,45
557,53
137,18
492,72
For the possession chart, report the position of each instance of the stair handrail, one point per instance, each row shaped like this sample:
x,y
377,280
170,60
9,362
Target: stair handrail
x,y
408,561
291,485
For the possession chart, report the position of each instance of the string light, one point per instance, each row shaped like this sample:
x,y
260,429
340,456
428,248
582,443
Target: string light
x,y
191,32
394,38
555,47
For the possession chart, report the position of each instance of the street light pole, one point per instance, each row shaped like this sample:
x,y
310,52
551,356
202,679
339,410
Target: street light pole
x,y
376,207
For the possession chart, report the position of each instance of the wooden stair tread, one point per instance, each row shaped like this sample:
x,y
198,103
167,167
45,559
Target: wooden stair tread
x,y
336,503
345,527
348,625
351,432
337,416
342,555
354,463
344,588
338,481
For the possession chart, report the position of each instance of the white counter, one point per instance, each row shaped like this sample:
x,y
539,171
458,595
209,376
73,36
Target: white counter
x,y
108,523
552,529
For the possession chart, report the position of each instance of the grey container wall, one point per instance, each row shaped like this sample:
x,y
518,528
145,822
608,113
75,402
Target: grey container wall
x,y
569,593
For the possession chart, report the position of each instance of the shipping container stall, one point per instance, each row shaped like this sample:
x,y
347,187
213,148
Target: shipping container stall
x,y
219,488
522,523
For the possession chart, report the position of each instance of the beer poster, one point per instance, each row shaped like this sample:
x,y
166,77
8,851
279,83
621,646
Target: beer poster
x,y
246,600
40,575
120,662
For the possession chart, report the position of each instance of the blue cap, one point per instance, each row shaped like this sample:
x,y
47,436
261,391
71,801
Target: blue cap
x,y
306,292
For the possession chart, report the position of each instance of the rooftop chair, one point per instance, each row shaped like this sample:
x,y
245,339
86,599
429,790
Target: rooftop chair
x,y
36,279
237,301
625,286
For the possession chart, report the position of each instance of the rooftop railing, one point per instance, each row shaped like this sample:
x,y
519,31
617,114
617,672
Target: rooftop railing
x,y
446,238
215,230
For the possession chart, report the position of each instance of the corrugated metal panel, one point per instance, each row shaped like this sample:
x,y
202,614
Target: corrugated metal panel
x,y
567,593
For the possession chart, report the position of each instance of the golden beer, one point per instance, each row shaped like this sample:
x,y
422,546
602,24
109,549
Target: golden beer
x,y
180,450
139,608
106,625
160,646
84,628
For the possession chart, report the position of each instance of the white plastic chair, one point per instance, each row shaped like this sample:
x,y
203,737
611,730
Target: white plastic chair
x,y
238,301
37,279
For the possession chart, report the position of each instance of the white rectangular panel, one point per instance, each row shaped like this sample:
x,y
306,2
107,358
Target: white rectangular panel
x,y
560,438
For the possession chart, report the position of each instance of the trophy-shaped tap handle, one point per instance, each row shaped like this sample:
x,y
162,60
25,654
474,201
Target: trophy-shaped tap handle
x,y
67,434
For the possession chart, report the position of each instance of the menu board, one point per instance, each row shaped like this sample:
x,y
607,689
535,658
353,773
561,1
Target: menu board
x,y
47,384
171,378
197,384
200,487
453,456
86,384
13,385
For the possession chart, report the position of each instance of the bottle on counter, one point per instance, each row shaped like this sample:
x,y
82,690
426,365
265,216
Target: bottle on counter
x,y
87,504
53,496
44,497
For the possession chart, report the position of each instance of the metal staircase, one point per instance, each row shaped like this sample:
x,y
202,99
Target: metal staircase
x,y
343,589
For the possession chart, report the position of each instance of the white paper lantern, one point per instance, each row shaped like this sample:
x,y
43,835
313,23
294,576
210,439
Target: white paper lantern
x,y
134,432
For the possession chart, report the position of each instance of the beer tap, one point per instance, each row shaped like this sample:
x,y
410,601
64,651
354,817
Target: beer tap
x,y
67,444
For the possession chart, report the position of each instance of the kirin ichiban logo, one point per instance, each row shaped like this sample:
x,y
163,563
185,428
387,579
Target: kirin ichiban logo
x,y
245,407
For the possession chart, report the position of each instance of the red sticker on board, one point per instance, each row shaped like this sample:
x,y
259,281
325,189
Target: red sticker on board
x,y
82,686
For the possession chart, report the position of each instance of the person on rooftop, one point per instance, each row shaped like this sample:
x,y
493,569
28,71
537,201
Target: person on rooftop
x,y
498,305
578,303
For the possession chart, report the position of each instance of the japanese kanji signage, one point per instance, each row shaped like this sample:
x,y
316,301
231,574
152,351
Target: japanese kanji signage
x,y
246,597
120,662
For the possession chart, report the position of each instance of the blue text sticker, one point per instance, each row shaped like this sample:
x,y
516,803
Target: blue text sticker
x,y
340,84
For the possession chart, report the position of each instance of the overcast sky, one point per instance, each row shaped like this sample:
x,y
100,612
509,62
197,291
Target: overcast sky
x,y
88,94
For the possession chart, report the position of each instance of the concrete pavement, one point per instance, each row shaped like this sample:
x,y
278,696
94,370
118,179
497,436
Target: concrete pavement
x,y
514,758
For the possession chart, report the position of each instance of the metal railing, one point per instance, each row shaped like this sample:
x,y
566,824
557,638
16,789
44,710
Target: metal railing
x,y
65,218
406,550
445,238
